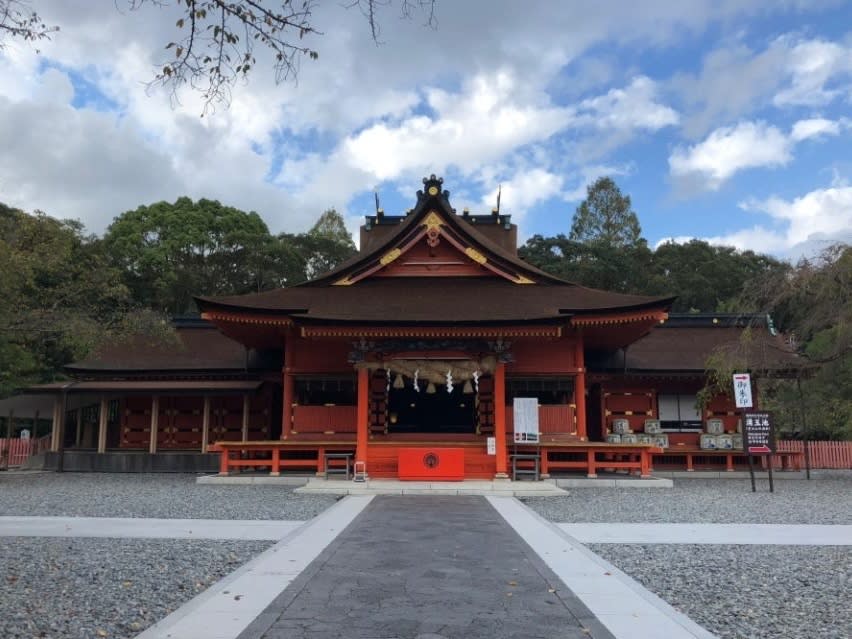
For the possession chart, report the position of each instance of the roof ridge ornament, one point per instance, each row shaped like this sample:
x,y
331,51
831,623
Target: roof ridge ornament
x,y
433,187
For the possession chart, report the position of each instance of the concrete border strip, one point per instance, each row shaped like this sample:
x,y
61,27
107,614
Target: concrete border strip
x,y
719,534
145,528
625,607
225,609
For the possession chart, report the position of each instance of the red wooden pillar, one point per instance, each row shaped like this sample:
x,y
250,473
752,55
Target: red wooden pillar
x,y
287,388
580,389
362,416
500,420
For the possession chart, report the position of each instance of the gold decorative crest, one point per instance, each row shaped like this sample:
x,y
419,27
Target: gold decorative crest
x,y
390,256
433,190
475,255
433,221
523,280
344,282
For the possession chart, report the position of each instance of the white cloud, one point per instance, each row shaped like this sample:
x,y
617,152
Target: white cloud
x,y
815,127
524,190
812,65
735,79
800,227
634,107
728,150
475,93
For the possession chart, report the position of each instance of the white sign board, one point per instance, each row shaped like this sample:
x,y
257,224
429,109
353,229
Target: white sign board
x,y
742,390
25,434
492,445
526,420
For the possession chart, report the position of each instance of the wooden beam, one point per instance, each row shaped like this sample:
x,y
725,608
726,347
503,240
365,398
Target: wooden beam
x,y
362,415
54,426
103,421
7,451
287,388
500,420
205,424
78,439
580,388
155,418
245,417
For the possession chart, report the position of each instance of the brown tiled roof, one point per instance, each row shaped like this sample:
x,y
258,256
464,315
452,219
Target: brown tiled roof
x,y
147,387
397,300
434,300
198,347
685,347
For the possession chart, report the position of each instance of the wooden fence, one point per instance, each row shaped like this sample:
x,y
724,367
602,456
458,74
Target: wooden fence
x,y
21,449
823,454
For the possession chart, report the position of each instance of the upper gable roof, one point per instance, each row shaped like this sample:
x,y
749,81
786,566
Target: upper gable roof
x,y
433,218
492,286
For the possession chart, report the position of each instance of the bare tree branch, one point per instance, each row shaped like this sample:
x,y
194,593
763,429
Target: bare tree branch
x,y
17,20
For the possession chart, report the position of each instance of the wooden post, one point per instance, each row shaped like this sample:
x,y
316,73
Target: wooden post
x,y
500,420
245,417
205,424
54,426
287,389
7,451
580,389
34,434
103,417
155,418
362,415
79,434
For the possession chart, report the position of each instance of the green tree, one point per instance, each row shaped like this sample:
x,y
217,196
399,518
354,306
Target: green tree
x,y
61,298
606,217
707,278
169,252
326,244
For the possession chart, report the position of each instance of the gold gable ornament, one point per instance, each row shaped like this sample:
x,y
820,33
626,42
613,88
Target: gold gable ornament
x,y
475,255
390,256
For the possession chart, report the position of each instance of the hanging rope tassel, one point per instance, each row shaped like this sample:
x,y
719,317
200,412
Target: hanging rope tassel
x,y
416,385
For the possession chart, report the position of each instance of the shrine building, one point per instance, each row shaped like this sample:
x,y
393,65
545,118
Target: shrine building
x,y
404,362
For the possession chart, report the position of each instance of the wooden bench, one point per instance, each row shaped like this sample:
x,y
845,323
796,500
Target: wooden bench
x,y
790,460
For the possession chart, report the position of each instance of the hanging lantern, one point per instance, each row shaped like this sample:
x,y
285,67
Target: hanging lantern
x,y
398,383
416,376
467,389
430,389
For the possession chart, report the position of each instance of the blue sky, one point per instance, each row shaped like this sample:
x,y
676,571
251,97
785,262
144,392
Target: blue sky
x,y
724,120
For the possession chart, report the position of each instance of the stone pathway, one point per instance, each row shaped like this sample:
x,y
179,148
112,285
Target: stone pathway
x,y
751,534
254,530
428,567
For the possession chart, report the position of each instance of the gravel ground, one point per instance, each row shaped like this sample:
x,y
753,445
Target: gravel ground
x,y
827,500
169,496
105,588
748,592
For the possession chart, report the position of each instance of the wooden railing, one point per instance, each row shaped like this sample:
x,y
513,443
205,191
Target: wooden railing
x,y
823,454
323,419
21,449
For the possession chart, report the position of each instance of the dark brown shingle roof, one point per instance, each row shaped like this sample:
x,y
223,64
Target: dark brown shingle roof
x,y
199,347
437,300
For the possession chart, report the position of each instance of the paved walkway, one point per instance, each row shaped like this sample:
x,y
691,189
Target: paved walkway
x,y
751,534
253,530
427,567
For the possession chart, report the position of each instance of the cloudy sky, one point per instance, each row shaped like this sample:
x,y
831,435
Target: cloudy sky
x,y
729,120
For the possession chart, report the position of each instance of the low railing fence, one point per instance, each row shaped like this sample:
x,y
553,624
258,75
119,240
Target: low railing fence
x,y
823,454
14,452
